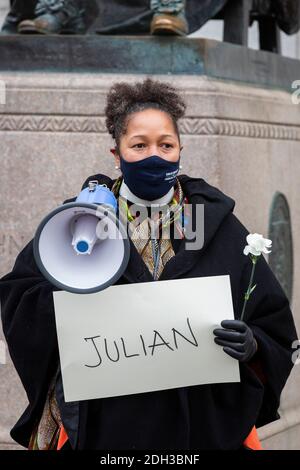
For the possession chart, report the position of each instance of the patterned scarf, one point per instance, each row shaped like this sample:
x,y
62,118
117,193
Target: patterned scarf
x,y
45,434
154,246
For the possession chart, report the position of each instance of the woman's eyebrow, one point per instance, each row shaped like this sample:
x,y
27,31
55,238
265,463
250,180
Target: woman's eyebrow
x,y
167,135
145,136
138,135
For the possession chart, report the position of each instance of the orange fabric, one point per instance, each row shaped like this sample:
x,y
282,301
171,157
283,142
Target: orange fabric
x,y
62,439
252,440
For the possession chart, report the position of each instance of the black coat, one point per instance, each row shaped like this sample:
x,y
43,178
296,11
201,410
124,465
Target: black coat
x,y
215,416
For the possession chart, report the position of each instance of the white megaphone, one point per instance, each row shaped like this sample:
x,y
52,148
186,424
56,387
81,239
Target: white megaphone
x,y
81,246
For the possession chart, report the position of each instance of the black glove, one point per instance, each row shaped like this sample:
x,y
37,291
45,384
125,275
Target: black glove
x,y
237,339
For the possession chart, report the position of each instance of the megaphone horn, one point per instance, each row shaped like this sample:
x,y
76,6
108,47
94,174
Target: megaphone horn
x,y
81,246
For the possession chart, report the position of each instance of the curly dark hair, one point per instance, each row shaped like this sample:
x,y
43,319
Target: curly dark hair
x,y
124,99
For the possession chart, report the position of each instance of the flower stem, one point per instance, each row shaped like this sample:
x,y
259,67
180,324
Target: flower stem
x,y
247,294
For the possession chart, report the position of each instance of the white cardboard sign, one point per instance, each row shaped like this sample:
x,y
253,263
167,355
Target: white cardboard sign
x,y
143,337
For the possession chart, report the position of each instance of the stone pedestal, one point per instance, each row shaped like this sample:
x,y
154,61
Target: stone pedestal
x,y
241,137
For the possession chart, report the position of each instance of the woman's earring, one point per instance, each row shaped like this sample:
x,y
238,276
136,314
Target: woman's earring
x,y
180,167
117,167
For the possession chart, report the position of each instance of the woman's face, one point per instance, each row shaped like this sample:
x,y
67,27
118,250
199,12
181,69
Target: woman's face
x,y
149,132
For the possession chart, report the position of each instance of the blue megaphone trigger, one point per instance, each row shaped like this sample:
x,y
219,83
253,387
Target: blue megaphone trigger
x,y
97,193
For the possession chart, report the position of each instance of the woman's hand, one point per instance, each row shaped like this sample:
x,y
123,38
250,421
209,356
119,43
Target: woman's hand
x,y
237,339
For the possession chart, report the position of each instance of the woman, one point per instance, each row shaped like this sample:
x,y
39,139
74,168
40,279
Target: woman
x,y
142,118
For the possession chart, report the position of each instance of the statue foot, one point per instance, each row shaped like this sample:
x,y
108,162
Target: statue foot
x,y
55,17
50,24
169,24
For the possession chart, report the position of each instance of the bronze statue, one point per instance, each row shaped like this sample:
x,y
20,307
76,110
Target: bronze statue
x,y
271,15
72,16
175,17
137,17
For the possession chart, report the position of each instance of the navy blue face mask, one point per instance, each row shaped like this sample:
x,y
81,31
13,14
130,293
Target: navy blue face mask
x,y
150,178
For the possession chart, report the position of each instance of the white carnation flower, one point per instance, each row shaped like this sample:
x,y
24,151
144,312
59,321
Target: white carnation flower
x,y
257,244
